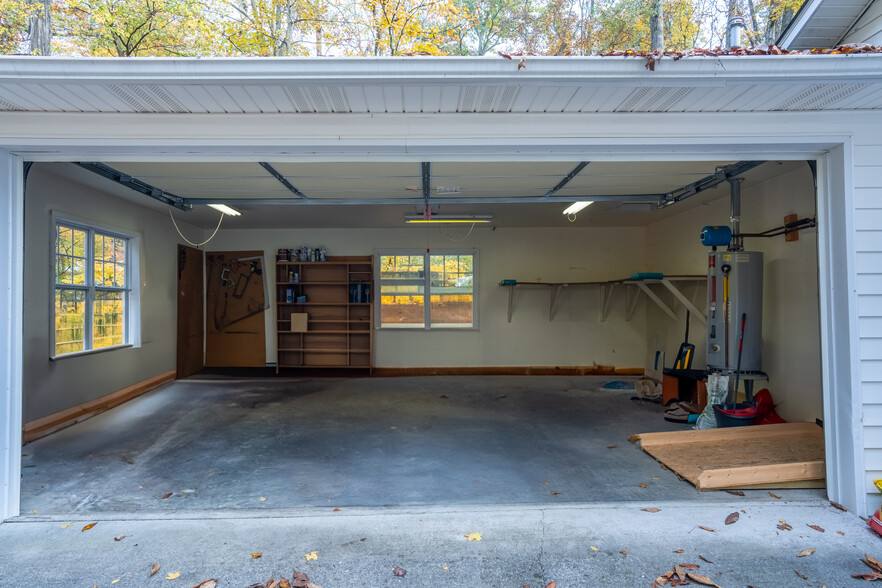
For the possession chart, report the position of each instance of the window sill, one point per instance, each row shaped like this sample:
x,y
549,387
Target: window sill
x,y
89,352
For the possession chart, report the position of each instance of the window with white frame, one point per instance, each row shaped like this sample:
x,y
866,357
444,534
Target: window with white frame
x,y
92,272
427,290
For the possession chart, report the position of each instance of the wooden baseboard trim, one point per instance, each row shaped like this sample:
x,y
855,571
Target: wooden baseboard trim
x,y
60,420
595,370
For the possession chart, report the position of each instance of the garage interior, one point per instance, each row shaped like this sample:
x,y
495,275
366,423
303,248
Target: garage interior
x,y
446,417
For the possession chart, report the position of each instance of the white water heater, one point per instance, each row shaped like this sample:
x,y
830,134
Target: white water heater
x,y
734,292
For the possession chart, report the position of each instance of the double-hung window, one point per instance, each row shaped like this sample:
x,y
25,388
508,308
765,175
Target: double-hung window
x,y
92,272
427,290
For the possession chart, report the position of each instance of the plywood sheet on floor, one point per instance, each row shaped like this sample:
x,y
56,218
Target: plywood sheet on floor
x,y
769,456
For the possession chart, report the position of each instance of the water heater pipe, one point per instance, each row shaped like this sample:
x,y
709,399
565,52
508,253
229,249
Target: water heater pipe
x,y
737,243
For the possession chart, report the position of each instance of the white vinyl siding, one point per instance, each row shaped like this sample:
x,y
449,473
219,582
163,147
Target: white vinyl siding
x,y
867,179
869,28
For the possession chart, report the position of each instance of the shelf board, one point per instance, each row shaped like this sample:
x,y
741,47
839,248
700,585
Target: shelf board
x,y
317,303
321,332
317,283
322,350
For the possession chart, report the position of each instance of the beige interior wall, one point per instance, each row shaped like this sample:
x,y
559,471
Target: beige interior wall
x,y
575,337
52,386
791,331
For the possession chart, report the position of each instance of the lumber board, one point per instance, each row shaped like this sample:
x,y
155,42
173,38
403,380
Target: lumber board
x,y
769,455
727,434
760,474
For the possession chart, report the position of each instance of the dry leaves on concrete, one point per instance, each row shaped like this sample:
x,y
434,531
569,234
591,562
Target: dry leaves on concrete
x,y
773,495
732,518
680,576
211,583
154,569
838,506
816,528
120,538
400,572
806,552
784,526
735,492
173,575
66,525
650,509
87,527
473,536
312,555
708,529
256,555
298,580
875,565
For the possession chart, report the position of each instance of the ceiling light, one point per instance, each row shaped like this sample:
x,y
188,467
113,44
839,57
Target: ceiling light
x,y
577,206
225,209
448,218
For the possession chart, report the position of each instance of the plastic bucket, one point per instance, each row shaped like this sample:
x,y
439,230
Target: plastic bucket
x,y
741,414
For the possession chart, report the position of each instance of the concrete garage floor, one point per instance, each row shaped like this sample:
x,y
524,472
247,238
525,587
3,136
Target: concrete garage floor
x,y
288,443
329,455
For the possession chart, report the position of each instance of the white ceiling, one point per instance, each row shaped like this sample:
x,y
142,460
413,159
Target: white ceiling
x,y
360,184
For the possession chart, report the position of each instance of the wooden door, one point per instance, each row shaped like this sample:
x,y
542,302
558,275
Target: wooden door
x,y
191,340
235,299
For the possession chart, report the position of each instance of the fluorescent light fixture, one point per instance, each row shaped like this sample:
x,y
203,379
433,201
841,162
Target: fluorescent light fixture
x,y
225,209
448,218
577,206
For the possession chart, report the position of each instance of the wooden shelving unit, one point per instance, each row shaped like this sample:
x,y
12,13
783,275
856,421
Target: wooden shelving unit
x,y
339,307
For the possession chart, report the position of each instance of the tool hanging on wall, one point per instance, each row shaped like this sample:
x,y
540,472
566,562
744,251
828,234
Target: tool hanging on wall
x,y
686,352
726,268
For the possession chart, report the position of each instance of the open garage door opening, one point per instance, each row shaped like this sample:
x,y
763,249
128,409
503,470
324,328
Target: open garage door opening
x,y
529,397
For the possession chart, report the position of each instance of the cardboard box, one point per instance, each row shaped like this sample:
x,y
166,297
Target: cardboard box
x,y
298,322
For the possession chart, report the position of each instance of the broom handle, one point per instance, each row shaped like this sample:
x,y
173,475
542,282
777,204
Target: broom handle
x,y
740,348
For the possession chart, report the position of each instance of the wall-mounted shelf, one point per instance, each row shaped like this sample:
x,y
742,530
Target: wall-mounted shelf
x,y
633,289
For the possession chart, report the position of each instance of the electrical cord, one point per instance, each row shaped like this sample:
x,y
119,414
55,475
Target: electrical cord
x,y
220,220
452,240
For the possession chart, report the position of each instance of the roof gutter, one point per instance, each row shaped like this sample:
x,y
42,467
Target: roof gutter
x,y
689,71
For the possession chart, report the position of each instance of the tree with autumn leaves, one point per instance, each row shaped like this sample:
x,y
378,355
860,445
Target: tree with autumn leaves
x,y
128,28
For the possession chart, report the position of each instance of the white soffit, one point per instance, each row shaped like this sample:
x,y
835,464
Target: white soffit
x,y
436,85
821,24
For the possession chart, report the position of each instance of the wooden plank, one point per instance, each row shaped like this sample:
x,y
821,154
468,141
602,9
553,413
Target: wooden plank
x,y
727,434
796,485
737,456
55,422
761,474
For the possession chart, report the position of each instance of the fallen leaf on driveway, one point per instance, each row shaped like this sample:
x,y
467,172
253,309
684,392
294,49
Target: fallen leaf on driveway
x,y
555,492
87,527
701,579
311,555
689,566
337,510
735,492
173,575
817,528
256,555
473,536
706,528
115,581
593,548
806,552
611,446
732,518
120,538
212,583
66,525
650,509
702,558
643,485
681,573
550,584
624,551
872,562
679,550
867,577
396,571
154,569
784,526
803,576
838,506
773,495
